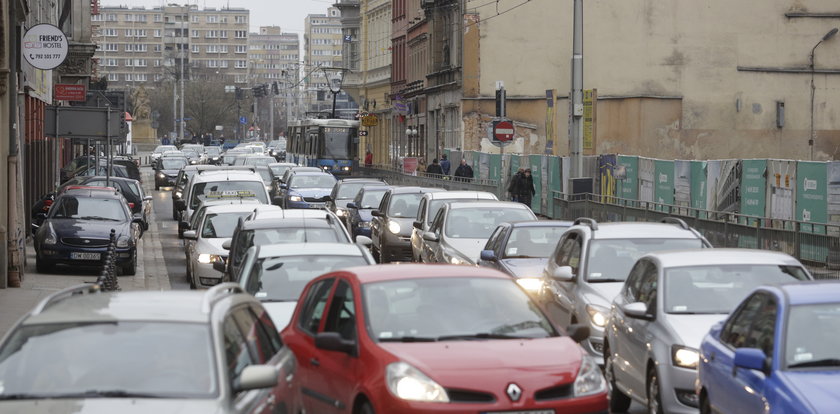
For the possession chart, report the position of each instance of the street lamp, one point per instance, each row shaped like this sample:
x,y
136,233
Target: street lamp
x,y
811,136
335,77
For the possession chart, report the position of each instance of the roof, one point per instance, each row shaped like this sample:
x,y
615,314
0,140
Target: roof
x,y
89,178
233,200
541,223
361,180
282,164
174,306
812,292
307,172
413,190
226,175
309,249
382,273
279,222
93,192
375,187
486,204
230,208
462,195
641,230
701,257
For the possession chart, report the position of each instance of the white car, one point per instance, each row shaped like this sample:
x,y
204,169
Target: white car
x,y
219,184
204,244
160,149
430,204
277,273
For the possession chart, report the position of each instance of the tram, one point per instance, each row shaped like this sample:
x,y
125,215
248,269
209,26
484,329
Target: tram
x,y
329,144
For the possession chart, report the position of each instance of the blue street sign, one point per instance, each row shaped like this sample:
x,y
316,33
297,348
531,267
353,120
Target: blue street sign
x,y
243,120
185,119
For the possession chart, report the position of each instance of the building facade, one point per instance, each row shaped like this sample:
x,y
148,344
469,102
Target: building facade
x,y
273,58
322,49
411,40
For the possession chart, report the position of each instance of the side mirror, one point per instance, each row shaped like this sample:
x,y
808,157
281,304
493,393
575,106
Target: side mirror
x,y
563,274
418,225
488,255
429,236
377,213
578,333
219,265
750,358
190,235
148,198
332,341
180,204
363,240
226,244
183,225
352,205
255,377
636,310
283,186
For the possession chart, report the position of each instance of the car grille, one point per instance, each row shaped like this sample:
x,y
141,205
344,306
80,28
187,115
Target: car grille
x,y
315,199
84,242
554,393
468,396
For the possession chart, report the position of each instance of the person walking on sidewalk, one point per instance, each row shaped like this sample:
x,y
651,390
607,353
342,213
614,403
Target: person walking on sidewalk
x,y
526,188
369,159
444,164
464,172
434,169
515,184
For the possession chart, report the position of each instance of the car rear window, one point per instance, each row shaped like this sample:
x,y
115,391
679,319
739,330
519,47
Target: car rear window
x,y
228,189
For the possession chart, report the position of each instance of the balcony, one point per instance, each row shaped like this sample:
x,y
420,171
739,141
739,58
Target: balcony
x,y
444,77
175,40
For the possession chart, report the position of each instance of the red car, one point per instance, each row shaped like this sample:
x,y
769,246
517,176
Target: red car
x,y
435,338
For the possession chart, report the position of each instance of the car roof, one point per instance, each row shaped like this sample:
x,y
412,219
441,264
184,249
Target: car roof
x,y
414,189
282,164
309,249
310,173
226,175
360,180
250,201
292,219
304,169
461,195
724,256
485,204
639,230
93,192
541,223
230,208
811,293
171,306
383,273
374,187
89,178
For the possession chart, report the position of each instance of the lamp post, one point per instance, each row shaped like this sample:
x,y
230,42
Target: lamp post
x,y
335,77
411,132
811,136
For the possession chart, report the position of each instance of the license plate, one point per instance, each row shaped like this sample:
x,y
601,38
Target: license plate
x,y
84,256
520,412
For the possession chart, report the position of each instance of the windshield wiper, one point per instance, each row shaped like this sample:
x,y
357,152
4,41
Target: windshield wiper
x,y
521,256
409,339
97,218
86,394
825,362
21,396
482,335
604,280
278,300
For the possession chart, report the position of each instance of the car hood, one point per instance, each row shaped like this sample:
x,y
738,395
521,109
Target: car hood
x,y
280,312
112,405
525,267
469,248
94,229
818,388
602,294
406,224
212,246
342,202
311,192
692,328
531,363
364,214
170,172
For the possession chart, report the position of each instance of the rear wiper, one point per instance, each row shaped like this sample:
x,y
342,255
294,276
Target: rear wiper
x,y
278,300
96,218
482,335
409,339
600,280
825,362
109,394
21,396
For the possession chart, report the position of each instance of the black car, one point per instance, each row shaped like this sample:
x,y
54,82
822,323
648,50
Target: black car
x,y
345,191
166,170
77,163
390,229
77,229
130,166
89,170
359,214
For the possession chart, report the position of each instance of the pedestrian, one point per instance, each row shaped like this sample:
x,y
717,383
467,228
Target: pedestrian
x,y
421,165
444,164
368,159
515,184
464,172
434,168
526,188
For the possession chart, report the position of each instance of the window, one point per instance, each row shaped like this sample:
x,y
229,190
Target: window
x,y
111,47
342,315
211,19
241,64
240,19
646,292
110,32
158,18
237,356
569,253
113,77
763,328
157,48
735,330
314,305
111,17
196,49
241,49
157,32
241,34
260,346
110,62
194,19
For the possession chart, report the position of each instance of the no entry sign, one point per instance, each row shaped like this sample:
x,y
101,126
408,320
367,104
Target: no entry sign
x,y
503,131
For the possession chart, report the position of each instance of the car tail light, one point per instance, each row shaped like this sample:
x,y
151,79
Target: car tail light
x,y
131,205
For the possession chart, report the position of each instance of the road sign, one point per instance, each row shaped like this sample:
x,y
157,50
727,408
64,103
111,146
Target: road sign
x,y
44,46
64,92
243,120
363,133
503,131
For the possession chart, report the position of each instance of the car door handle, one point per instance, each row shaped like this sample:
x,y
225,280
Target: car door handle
x,y
315,362
712,357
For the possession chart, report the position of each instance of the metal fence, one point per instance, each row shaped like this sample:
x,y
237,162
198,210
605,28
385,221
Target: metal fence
x,y
396,176
815,245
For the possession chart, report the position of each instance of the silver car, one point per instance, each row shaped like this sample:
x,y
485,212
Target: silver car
x,y
667,305
429,206
85,351
591,261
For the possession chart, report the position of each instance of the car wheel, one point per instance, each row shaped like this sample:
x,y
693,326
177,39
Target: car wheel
x,y
383,255
705,405
618,401
654,400
190,276
130,268
43,266
367,409
174,214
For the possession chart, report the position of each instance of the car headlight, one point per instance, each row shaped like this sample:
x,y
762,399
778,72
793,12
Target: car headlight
x,y
364,224
589,379
178,194
684,357
51,238
457,260
394,227
597,315
531,284
122,241
341,213
215,158
295,198
408,383
161,175
208,258
345,168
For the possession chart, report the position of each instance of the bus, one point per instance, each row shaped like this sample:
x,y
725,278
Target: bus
x,y
329,144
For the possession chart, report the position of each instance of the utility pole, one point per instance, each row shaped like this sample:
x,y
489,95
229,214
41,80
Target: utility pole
x,y
271,116
576,97
183,93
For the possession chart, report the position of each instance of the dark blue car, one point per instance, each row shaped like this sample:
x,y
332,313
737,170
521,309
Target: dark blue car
x,y
778,352
360,209
77,229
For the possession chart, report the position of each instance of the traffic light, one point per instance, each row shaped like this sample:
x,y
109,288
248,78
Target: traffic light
x,y
275,88
123,124
239,94
257,92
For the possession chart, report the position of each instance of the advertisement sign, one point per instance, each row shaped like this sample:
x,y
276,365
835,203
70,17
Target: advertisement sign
x,y
629,185
834,192
698,185
65,92
645,179
753,187
682,183
811,200
589,102
664,187
44,46
409,165
606,171
370,120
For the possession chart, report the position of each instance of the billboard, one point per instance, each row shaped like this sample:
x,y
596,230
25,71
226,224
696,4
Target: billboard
x,y
682,183
698,185
781,182
811,200
629,186
753,187
645,179
664,187
606,170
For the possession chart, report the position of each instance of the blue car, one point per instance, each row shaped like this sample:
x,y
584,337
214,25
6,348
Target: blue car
x,y
361,208
778,352
307,190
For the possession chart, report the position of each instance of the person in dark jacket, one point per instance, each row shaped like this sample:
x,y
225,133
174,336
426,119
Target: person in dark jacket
x,y
444,164
464,172
526,188
515,184
434,168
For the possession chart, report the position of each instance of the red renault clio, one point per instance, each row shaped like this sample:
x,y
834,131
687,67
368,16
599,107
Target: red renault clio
x,y
436,338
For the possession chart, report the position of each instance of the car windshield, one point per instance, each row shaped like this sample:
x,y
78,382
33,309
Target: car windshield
x,y
212,151
372,198
259,161
161,148
610,260
303,234
479,222
283,278
811,336
265,174
173,163
190,152
404,205
720,288
89,208
66,360
336,143
279,170
532,242
312,181
349,190
452,308
228,189
221,225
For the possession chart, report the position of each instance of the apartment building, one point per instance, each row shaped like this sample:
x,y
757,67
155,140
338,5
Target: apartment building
x,y
271,53
137,45
322,48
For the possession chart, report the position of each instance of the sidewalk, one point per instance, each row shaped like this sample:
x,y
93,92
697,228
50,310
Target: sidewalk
x,y
151,275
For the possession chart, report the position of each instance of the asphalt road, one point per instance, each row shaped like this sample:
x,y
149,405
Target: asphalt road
x,y
173,247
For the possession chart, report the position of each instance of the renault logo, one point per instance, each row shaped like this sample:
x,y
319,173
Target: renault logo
x,y
87,241
514,392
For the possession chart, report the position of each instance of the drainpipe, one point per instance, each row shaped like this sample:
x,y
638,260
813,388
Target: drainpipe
x,y
14,233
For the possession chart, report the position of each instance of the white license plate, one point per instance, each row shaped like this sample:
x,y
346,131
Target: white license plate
x,y
84,256
520,412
